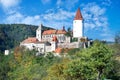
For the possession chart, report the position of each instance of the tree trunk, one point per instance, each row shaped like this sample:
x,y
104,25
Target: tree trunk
x,y
99,75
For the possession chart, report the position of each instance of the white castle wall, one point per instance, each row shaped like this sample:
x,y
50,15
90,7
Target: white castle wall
x,y
48,49
77,28
69,45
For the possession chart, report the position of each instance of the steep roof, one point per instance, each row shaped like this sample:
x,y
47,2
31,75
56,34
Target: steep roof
x,y
30,40
47,32
78,15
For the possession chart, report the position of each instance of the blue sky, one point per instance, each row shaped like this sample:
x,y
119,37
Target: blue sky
x,y
101,17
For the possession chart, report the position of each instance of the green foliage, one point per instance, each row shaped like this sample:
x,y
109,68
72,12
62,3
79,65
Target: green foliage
x,y
74,39
26,66
56,71
12,34
117,38
4,67
92,61
115,73
95,62
73,51
69,32
80,70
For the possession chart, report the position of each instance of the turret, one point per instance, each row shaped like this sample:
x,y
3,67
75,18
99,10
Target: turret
x,y
54,43
39,33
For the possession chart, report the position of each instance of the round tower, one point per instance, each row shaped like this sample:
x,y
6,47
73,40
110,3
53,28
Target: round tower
x,y
39,33
78,25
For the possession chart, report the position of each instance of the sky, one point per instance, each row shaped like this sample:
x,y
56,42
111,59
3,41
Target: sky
x,y
101,17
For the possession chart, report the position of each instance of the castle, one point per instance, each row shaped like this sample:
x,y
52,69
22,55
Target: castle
x,y
54,40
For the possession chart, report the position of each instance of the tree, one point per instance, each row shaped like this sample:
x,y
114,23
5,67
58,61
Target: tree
x,y
117,38
92,63
4,67
101,57
69,32
56,71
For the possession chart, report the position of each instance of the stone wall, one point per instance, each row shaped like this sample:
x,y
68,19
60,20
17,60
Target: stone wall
x,y
48,48
70,45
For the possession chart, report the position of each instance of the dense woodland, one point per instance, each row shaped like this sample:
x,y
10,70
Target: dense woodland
x,y
12,34
98,62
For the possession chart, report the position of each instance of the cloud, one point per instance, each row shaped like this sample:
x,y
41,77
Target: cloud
x,y
9,3
45,1
59,2
59,15
107,2
66,3
32,20
55,19
94,16
58,18
14,18
95,21
10,6
20,18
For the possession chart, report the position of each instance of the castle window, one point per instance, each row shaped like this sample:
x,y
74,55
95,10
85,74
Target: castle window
x,y
63,38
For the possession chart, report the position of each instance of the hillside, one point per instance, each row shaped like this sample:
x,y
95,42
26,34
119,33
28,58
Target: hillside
x,y
98,62
12,34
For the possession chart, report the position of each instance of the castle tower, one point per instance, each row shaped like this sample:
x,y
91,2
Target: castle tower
x,y
78,25
54,43
39,33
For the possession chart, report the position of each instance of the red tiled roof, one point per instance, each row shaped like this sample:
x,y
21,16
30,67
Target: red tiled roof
x,y
58,50
78,15
61,32
30,40
47,32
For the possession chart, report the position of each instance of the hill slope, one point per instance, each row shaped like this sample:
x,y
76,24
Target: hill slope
x,y
12,34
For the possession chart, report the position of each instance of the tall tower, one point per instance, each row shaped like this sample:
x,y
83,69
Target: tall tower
x,y
78,25
39,33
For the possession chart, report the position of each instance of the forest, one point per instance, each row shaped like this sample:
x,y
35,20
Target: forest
x,y
12,34
98,62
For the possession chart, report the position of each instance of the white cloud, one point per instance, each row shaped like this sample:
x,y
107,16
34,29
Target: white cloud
x,y
55,19
14,18
10,6
59,2
9,3
94,16
68,4
95,21
107,2
59,15
31,20
45,1
20,18
58,18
